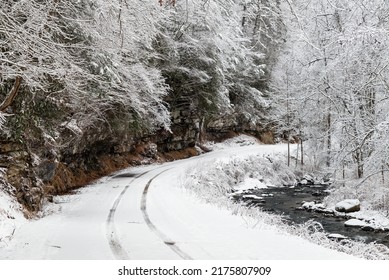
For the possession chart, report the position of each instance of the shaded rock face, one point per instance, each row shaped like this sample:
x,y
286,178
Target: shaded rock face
x,y
46,170
222,124
225,126
185,128
16,162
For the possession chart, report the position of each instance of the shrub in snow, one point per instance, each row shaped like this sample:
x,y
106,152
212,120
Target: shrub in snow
x,y
216,179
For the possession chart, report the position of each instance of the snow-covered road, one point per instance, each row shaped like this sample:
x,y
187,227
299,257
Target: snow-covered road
x,y
143,213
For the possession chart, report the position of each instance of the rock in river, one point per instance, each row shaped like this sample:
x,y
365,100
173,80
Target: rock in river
x,y
355,223
348,205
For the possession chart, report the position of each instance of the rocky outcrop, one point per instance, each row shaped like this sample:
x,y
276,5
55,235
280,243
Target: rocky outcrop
x,y
228,125
16,162
185,127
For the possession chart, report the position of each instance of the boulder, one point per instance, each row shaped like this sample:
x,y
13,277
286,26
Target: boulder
x,y
348,205
355,223
336,236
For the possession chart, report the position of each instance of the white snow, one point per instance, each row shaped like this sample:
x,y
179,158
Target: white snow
x,y
252,196
72,126
337,236
80,230
313,205
347,204
238,141
355,223
375,219
220,235
267,195
250,184
371,218
11,217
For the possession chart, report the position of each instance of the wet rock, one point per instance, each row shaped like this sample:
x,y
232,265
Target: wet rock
x,y
368,228
317,193
348,205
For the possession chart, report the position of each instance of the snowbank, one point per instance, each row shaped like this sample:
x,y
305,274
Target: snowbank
x,y
238,141
11,217
237,175
250,184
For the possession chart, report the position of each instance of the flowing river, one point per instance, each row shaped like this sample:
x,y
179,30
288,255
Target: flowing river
x,y
287,200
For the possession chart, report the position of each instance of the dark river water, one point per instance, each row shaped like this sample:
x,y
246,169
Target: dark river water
x,y
286,201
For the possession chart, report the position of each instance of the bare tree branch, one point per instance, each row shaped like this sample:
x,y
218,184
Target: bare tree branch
x,y
11,95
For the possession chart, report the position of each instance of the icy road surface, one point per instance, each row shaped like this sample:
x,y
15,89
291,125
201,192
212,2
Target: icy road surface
x,y
143,213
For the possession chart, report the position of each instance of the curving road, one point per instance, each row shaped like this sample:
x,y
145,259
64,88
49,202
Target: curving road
x,y
142,213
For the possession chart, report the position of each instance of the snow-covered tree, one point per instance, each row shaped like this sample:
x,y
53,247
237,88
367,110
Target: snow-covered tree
x,y
212,55
338,51
91,57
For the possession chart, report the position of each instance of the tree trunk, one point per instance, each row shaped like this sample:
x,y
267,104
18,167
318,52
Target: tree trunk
x,y
288,147
383,174
244,15
359,159
328,160
201,130
302,152
11,95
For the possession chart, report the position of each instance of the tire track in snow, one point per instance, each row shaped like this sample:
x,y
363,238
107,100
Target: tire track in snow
x,y
113,240
168,242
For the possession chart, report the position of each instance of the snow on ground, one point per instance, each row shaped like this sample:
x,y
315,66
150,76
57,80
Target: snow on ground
x,y
114,218
221,233
220,180
250,184
238,141
11,217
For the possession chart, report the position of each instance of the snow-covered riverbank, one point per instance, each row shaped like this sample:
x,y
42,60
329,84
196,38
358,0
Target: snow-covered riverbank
x,y
237,178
